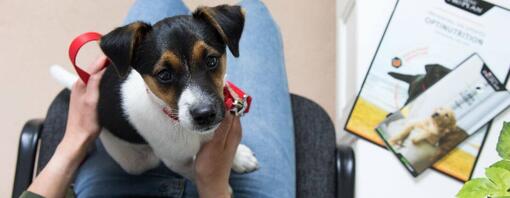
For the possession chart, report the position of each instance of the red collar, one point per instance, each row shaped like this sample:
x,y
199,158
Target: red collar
x,y
236,100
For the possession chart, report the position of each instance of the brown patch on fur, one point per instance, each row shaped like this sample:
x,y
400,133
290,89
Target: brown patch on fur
x,y
135,26
171,58
199,49
197,53
167,94
218,77
243,12
137,29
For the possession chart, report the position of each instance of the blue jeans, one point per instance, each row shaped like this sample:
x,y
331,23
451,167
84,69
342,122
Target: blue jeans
x,y
267,129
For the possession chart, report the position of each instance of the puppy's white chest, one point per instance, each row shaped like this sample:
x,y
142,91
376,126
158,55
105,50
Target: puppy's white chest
x,y
167,138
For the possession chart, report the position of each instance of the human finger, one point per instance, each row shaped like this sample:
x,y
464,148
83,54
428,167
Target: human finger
x,y
234,135
98,65
221,133
78,86
94,81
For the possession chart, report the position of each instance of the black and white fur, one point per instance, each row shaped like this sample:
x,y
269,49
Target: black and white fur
x,y
137,134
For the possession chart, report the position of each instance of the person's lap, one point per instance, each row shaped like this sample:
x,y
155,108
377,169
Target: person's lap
x,y
267,129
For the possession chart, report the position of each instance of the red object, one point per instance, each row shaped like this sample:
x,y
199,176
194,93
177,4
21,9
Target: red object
x,y
236,100
74,48
169,113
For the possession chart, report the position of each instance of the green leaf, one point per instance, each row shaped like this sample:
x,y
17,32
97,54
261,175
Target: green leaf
x,y
503,146
497,183
501,178
477,188
505,164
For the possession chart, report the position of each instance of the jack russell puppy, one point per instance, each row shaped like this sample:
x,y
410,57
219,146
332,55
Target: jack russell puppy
x,y
162,96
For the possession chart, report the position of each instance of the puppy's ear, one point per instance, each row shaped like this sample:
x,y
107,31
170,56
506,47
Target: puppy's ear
x,y
228,22
119,44
437,67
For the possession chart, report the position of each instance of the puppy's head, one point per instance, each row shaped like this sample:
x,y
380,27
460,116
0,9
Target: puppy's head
x,y
435,72
182,60
444,117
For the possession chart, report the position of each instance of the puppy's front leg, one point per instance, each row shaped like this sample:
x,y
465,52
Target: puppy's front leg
x,y
244,160
420,137
399,138
132,158
182,167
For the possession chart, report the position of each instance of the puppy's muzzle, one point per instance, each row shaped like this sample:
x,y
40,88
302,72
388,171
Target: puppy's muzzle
x,y
203,115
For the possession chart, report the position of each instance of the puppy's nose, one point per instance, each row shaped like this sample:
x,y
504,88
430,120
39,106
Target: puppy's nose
x,y
203,114
435,114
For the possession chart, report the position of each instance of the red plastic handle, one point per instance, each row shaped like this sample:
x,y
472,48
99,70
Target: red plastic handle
x,y
74,48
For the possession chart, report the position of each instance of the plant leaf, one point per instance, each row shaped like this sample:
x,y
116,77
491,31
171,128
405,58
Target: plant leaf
x,y
501,178
504,164
503,146
477,188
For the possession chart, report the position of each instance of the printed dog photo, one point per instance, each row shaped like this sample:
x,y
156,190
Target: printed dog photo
x,y
418,83
455,107
426,140
429,130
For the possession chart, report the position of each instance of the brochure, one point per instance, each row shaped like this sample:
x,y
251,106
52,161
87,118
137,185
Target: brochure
x,y
422,43
444,115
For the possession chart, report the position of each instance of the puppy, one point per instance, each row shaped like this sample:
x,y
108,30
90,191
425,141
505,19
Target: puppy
x,y
430,130
419,83
162,96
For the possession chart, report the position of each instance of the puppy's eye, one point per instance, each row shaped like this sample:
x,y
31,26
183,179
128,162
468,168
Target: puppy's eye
x,y
165,76
212,62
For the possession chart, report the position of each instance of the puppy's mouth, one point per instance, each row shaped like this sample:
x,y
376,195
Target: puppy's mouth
x,y
203,120
172,115
207,129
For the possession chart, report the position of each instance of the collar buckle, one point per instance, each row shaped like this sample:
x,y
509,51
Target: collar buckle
x,y
236,100
239,105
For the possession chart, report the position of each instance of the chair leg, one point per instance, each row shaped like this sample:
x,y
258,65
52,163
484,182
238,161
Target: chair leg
x,y
345,165
27,152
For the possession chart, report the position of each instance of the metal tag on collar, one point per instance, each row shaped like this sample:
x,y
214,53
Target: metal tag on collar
x,y
239,105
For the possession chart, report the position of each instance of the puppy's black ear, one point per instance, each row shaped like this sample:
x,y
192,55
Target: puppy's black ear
x,y
437,68
119,44
403,77
228,22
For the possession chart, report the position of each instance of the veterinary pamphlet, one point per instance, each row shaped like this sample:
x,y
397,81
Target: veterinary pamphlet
x,y
440,118
423,42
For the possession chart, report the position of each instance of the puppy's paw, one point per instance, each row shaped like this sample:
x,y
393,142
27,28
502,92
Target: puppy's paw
x,y
394,142
244,160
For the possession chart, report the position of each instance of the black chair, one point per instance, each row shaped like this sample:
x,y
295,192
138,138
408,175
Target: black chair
x,y
322,168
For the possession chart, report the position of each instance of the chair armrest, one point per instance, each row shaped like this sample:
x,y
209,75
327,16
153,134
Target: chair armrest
x,y
27,151
345,167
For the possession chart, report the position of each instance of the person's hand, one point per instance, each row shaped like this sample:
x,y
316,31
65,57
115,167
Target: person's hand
x,y
82,129
82,121
214,160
